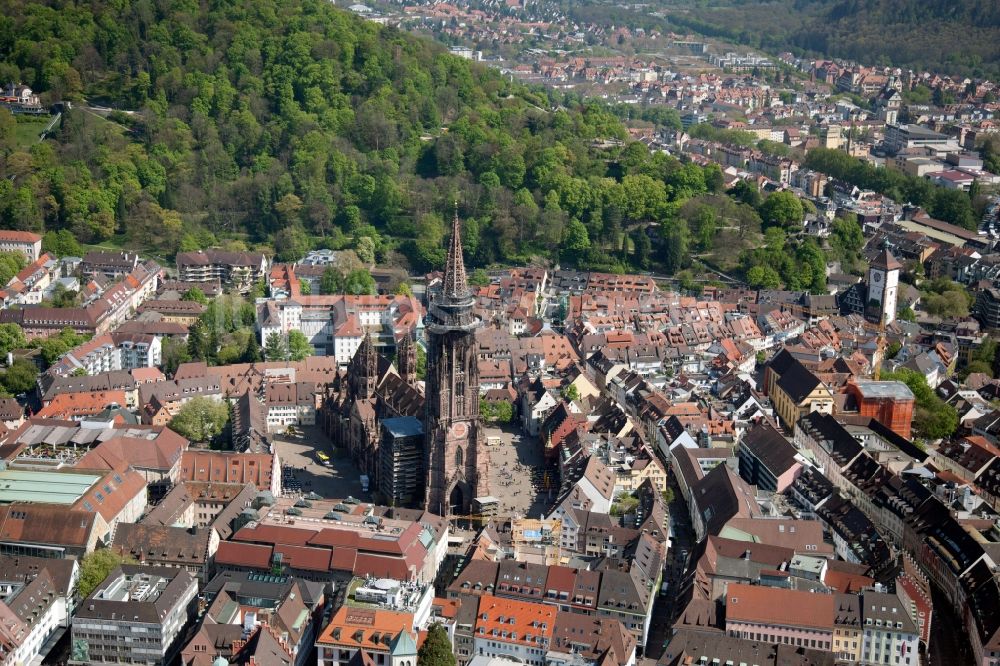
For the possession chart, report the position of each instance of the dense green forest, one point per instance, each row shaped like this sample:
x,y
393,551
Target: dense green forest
x,y
291,124
947,36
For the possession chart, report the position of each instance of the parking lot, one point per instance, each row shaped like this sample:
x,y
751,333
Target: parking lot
x,y
303,473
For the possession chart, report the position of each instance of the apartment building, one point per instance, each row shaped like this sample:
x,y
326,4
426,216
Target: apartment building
x,y
110,264
381,636
777,615
767,459
292,403
517,630
25,242
239,269
136,616
108,311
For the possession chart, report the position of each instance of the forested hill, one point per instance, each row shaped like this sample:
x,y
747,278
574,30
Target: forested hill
x,y
947,36
293,123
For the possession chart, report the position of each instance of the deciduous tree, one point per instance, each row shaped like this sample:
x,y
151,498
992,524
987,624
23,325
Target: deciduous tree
x,y
97,566
299,346
200,419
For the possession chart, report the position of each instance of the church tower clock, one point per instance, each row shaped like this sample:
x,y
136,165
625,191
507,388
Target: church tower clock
x,y
883,288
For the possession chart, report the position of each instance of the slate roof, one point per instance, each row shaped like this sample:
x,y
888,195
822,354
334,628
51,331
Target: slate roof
x,y
770,447
149,612
721,496
797,382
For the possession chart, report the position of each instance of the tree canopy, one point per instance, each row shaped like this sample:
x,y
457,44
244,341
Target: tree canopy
x,y
200,419
96,566
11,338
944,298
436,649
323,130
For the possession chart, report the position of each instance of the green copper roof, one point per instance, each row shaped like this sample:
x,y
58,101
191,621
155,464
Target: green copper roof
x,y
24,485
737,535
402,645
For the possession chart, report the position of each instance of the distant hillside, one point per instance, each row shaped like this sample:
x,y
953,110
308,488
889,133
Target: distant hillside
x,y
287,124
960,36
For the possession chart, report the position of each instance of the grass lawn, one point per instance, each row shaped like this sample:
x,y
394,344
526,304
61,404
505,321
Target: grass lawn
x,y
114,244
26,131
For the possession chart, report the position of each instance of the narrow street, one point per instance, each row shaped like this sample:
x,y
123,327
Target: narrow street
x,y
670,604
949,645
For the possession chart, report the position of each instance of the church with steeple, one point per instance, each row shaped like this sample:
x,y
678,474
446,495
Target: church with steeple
x,y
365,403
456,460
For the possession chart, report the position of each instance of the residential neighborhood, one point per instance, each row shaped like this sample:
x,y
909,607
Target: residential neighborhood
x,y
736,401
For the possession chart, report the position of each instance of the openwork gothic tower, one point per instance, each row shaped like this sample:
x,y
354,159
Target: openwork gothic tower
x,y
455,456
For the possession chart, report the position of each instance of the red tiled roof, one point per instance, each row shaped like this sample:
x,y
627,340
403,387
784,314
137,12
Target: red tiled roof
x,y
252,468
561,578
381,567
357,628
243,555
332,537
777,606
110,504
300,557
527,620
275,534
19,236
343,559
69,405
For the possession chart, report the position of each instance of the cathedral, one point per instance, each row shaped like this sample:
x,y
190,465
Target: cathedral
x,y
455,461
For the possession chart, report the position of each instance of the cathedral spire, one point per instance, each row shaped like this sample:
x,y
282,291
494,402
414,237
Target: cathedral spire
x,y
363,370
406,359
455,284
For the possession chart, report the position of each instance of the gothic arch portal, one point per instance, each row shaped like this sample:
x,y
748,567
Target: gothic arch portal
x,y
458,498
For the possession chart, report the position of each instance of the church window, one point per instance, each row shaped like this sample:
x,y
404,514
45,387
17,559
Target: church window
x,y
459,456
